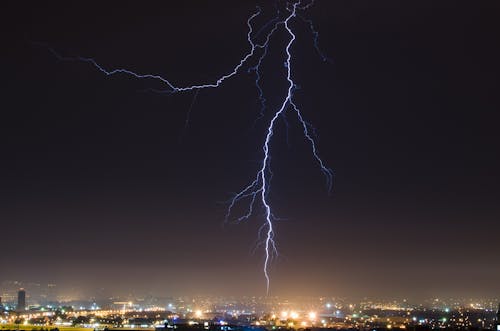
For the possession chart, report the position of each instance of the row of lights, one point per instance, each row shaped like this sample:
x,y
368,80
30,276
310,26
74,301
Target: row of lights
x,y
294,315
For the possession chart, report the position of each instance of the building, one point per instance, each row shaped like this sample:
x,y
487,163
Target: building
x,y
498,318
21,300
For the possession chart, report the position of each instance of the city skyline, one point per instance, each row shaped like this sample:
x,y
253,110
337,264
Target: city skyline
x,y
106,185
266,312
37,293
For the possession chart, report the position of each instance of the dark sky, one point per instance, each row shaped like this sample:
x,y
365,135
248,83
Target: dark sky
x,y
101,184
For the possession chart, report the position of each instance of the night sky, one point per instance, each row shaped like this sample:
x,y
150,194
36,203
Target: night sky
x,y
104,185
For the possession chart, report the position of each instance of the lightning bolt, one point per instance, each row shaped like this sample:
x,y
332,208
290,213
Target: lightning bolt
x,y
258,189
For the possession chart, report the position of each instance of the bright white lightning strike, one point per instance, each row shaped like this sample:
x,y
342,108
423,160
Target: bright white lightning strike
x,y
258,189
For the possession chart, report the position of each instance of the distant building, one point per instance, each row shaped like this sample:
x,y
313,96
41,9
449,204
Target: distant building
x,y
498,318
21,300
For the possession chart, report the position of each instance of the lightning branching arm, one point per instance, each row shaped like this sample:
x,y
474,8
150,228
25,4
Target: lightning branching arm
x,y
315,34
171,87
257,192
